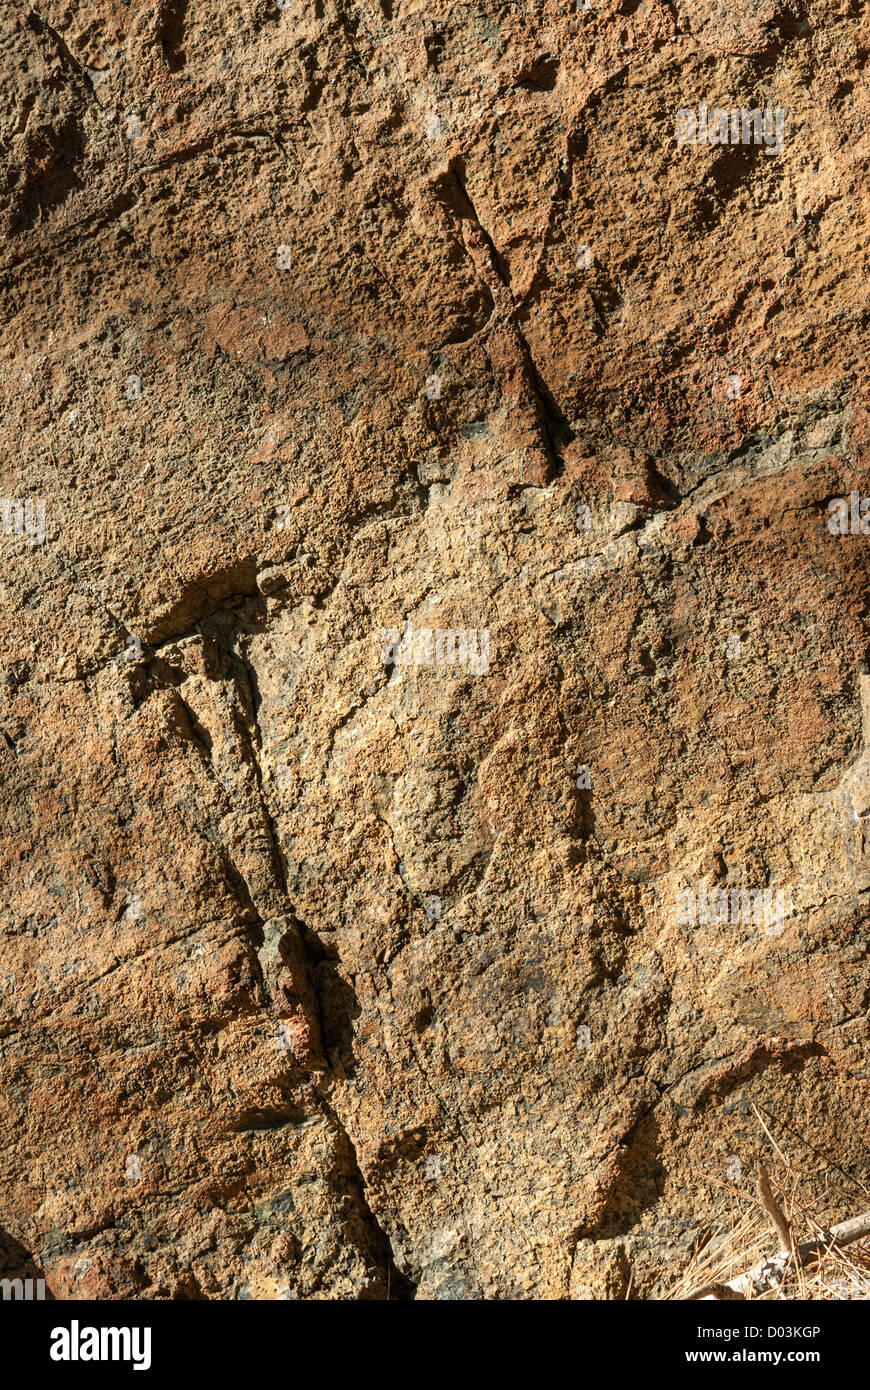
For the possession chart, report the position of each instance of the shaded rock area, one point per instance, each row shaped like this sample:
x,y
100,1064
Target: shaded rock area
x,y
422,589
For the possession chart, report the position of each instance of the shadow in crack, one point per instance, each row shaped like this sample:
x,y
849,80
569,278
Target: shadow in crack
x,y
390,1283
582,824
48,176
638,1184
338,1005
19,1272
172,34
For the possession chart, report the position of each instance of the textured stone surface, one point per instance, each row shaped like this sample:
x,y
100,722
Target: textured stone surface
x,y
325,977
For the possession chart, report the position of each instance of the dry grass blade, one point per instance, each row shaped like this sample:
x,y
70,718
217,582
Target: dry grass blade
x,y
774,1211
813,1262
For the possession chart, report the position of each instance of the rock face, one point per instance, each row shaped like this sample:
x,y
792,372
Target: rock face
x,y
429,630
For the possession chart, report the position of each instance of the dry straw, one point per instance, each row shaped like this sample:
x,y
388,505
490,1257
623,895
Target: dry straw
x,y
771,1246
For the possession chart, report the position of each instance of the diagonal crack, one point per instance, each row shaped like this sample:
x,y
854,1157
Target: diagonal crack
x,y
535,422
398,1286
39,26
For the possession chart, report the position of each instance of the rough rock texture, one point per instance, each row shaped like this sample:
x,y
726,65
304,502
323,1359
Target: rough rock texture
x,y
328,977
